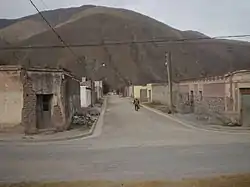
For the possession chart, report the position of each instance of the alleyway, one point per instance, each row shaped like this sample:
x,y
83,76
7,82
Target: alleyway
x,y
132,145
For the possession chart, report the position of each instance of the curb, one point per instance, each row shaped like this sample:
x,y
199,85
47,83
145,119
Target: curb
x,y
86,134
189,124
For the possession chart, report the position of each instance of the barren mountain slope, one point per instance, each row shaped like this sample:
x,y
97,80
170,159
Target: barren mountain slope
x,y
23,28
136,63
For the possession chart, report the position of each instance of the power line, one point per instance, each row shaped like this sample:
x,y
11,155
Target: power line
x,y
54,31
114,43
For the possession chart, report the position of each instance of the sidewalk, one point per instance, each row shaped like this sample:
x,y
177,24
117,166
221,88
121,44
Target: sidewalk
x,y
50,137
66,135
190,121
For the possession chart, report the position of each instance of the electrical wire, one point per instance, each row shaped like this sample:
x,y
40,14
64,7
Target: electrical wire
x,y
114,43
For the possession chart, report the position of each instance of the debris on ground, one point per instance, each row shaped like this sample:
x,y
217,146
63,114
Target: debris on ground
x,y
86,117
80,119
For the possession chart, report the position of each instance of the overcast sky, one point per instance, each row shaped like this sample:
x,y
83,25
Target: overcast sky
x,y
212,17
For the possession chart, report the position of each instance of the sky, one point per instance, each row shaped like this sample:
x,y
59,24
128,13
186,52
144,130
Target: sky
x,y
211,17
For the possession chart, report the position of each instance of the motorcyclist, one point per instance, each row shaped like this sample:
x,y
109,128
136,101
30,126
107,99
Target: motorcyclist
x,y
137,104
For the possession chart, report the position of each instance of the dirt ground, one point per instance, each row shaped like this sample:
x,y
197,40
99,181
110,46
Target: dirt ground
x,y
222,181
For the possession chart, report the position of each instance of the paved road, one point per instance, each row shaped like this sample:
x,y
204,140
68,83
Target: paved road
x,y
132,145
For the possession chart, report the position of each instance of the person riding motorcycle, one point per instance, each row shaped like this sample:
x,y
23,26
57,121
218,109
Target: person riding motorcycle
x,y
137,104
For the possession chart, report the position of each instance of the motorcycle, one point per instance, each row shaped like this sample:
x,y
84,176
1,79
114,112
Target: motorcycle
x,y
137,107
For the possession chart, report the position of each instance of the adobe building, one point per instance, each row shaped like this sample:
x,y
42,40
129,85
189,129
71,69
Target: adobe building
x,y
37,98
220,99
225,96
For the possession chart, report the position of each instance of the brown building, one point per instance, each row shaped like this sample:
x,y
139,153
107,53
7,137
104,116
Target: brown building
x,y
37,98
225,98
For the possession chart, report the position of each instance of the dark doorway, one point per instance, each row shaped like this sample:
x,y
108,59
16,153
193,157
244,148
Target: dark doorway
x,y
192,101
43,111
149,96
245,106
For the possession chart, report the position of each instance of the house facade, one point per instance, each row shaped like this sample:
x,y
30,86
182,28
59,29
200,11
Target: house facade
x,y
90,91
226,97
37,98
222,99
142,93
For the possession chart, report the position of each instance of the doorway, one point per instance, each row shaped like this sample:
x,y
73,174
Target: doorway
x,y
245,106
43,111
149,96
143,95
192,101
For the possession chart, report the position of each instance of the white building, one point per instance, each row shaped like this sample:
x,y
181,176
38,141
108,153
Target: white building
x,y
86,93
99,89
90,92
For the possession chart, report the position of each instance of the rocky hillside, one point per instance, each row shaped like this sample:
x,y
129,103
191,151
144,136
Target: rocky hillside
x,y
23,28
135,63
6,22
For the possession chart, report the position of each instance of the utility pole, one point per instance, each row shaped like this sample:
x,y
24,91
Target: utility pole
x,y
170,82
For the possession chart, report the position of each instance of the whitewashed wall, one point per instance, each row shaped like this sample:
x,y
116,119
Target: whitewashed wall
x,y
85,97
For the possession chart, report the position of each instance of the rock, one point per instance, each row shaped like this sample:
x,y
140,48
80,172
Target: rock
x,y
83,120
94,113
233,124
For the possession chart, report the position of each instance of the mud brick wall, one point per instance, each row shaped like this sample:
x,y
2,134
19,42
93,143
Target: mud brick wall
x,y
11,97
42,82
29,105
183,100
72,97
211,104
212,109
183,103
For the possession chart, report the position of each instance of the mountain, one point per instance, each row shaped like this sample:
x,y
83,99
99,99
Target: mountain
x,y
193,34
23,28
6,22
136,63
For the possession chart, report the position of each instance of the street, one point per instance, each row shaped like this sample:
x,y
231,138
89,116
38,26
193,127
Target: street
x,y
129,145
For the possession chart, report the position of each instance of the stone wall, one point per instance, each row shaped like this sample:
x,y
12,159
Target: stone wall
x,y
29,105
211,109
216,99
40,83
183,104
208,100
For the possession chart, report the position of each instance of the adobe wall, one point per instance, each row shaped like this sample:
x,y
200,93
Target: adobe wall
x,y
11,97
42,82
72,101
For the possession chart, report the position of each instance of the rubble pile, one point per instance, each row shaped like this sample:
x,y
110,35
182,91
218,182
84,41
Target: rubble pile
x,y
83,119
